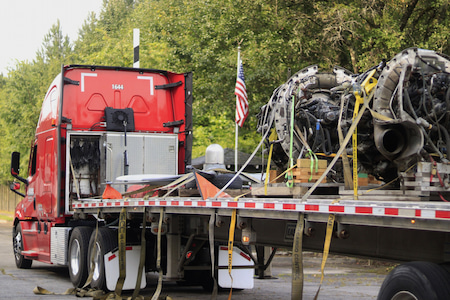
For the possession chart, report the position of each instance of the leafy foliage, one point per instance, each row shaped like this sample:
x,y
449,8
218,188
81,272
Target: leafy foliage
x,y
21,96
275,36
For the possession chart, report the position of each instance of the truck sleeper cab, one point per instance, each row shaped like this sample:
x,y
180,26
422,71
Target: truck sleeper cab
x,y
96,123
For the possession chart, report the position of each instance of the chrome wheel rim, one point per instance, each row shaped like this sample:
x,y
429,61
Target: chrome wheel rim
x,y
96,273
17,245
404,295
75,257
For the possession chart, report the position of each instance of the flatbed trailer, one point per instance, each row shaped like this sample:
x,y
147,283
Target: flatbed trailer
x,y
400,231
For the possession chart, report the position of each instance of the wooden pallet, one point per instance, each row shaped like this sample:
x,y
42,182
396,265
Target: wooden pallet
x,y
303,173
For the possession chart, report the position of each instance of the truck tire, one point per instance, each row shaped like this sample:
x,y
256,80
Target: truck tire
x,y
106,241
416,281
78,248
21,261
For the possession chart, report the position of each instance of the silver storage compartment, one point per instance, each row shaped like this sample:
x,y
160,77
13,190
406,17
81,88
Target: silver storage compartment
x,y
145,153
59,244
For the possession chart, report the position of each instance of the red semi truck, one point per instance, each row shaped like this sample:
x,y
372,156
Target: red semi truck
x,y
97,124
106,127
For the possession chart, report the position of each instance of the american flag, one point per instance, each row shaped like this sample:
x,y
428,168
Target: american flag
x,y
241,96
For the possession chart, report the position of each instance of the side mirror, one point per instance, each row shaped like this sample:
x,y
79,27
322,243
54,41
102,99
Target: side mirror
x,y
15,167
15,163
15,187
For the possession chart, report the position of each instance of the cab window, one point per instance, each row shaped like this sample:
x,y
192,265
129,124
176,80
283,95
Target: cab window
x,y
33,161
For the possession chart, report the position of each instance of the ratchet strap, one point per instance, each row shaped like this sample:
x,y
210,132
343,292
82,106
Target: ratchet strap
x,y
93,255
272,137
230,247
345,162
122,237
158,257
309,153
326,249
208,190
314,162
290,175
212,222
297,260
137,288
96,294
368,85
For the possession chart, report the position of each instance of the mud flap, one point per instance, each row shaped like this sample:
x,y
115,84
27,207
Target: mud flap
x,y
112,268
242,278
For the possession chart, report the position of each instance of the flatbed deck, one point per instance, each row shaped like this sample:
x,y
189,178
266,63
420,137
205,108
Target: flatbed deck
x,y
421,215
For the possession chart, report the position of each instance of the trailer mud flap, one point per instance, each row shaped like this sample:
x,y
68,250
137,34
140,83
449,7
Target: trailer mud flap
x,y
132,255
242,277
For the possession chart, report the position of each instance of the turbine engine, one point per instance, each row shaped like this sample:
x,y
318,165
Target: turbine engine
x,y
408,119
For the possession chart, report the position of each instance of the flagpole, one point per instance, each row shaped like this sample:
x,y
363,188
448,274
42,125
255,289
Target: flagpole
x,y
236,139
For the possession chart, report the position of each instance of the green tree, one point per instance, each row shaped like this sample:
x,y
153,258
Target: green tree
x,y
106,40
203,35
22,93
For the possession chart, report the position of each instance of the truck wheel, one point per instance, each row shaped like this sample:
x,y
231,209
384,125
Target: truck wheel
x,y
416,281
106,241
21,262
78,248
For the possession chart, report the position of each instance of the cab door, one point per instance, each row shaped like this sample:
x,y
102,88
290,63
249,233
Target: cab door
x,y
28,208
46,199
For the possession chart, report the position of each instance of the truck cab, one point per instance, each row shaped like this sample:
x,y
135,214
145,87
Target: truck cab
x,y
97,123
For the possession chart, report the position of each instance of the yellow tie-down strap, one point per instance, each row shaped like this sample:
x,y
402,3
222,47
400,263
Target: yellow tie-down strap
x,y
297,260
326,249
230,246
273,136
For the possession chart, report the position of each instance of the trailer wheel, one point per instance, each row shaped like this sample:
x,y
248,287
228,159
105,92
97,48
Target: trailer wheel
x,y
106,241
416,281
21,261
78,248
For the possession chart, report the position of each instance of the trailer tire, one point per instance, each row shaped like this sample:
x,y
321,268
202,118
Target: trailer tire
x,y
78,248
416,281
21,261
106,241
